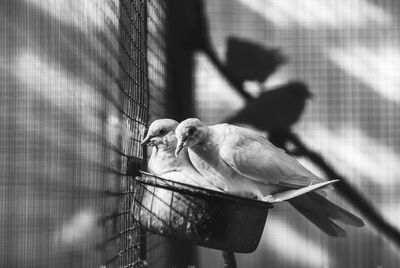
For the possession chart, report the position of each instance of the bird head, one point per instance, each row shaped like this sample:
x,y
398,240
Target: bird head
x,y
189,132
161,133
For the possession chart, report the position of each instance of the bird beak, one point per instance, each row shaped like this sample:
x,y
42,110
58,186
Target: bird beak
x,y
146,140
181,144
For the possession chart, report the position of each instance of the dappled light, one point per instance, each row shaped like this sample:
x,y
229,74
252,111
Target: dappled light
x,y
357,155
82,80
72,12
348,54
298,250
207,79
314,14
378,68
79,231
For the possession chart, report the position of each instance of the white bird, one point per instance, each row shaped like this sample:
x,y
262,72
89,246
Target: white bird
x,y
164,163
248,164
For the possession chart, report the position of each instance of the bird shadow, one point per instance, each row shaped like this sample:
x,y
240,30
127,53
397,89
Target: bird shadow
x,y
275,111
248,60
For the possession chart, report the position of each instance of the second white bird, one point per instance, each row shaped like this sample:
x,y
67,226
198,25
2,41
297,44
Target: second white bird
x,y
248,164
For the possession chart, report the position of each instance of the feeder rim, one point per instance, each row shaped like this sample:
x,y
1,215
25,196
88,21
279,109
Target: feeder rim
x,y
196,190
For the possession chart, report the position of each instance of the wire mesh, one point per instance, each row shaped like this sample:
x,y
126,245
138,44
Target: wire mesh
x,y
74,107
156,247
132,85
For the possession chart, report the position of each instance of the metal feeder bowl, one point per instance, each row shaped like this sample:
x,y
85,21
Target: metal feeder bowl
x,y
205,217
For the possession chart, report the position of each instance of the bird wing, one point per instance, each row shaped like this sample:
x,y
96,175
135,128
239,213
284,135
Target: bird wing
x,y
253,156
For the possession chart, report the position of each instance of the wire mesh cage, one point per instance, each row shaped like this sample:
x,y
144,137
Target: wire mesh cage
x,y
202,216
132,85
75,103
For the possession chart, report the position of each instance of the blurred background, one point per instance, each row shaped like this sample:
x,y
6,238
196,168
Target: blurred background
x,y
81,81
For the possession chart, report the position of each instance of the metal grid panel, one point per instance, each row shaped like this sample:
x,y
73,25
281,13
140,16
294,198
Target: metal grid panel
x,y
132,86
74,100
157,251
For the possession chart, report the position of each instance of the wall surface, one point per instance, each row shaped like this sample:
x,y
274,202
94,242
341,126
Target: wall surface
x,y
348,53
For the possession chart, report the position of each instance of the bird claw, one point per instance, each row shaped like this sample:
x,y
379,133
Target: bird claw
x,y
269,199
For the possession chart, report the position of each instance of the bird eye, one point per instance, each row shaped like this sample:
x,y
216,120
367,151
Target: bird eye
x,y
162,132
191,130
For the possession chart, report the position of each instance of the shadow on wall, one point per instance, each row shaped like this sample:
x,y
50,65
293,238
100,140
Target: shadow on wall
x,y
358,112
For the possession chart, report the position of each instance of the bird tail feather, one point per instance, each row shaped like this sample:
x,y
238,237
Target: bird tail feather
x,y
323,213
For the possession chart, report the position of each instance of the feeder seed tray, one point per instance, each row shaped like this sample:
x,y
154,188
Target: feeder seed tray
x,y
205,217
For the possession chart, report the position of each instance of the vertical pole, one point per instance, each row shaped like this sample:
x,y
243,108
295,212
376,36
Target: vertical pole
x,y
229,259
179,97
180,104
